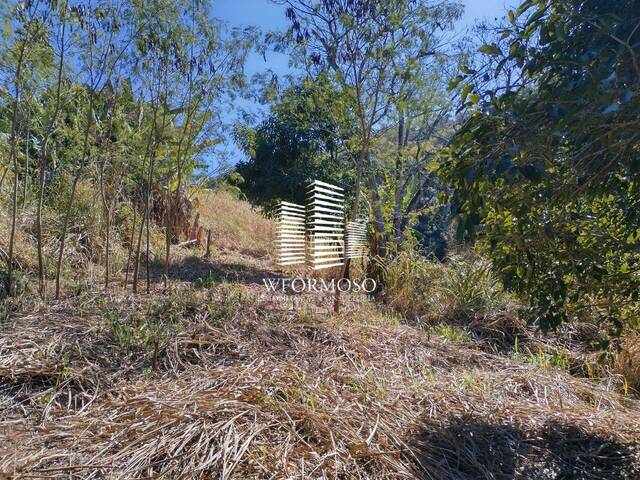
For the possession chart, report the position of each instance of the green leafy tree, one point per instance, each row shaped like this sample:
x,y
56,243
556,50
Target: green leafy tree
x,y
375,51
545,170
304,138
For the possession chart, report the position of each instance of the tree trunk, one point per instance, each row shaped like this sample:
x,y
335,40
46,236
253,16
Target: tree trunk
x,y
106,256
136,264
14,161
167,239
378,219
43,164
398,190
148,231
106,204
78,174
144,217
130,249
354,215
25,184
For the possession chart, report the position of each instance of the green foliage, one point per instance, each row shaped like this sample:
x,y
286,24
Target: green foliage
x,y
106,107
459,289
556,359
471,283
301,140
390,61
123,332
545,170
470,380
233,301
451,333
203,283
151,329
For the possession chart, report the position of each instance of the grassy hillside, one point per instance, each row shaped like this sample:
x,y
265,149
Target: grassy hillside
x,y
213,380
236,225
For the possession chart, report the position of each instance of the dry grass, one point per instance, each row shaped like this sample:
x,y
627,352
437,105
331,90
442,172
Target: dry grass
x,y
461,291
244,389
210,380
627,361
25,252
236,225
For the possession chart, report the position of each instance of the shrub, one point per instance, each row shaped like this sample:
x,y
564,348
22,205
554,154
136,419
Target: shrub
x,y
469,286
462,287
408,282
451,333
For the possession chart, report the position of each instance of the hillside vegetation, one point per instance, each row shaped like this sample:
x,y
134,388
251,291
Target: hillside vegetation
x,y
213,380
494,175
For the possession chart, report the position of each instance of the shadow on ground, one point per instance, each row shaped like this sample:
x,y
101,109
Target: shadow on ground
x,y
197,269
468,448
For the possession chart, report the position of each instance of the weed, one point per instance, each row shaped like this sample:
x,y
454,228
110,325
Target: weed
x,y
543,359
469,381
305,315
451,333
124,334
462,288
469,284
205,282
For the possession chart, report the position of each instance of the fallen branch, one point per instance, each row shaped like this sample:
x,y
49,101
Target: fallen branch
x,y
187,243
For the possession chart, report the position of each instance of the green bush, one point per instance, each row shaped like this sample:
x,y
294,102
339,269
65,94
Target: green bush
x,y
461,288
470,285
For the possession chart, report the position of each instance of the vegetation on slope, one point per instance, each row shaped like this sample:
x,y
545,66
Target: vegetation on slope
x,y
215,380
107,111
218,383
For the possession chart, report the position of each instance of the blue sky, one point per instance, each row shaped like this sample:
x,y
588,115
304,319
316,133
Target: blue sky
x,y
269,16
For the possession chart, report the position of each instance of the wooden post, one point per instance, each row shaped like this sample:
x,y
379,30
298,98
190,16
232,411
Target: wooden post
x,y
194,230
200,237
208,253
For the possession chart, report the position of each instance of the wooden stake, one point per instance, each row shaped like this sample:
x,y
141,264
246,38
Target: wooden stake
x,y
208,253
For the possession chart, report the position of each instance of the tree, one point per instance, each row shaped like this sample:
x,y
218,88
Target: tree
x,y
545,170
117,104
304,138
97,36
45,154
403,176
374,50
29,29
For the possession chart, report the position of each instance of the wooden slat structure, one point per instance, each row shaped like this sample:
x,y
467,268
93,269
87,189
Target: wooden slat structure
x,y
325,225
290,234
357,239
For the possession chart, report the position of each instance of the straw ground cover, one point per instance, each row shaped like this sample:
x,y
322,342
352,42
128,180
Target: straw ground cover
x,y
219,383
213,379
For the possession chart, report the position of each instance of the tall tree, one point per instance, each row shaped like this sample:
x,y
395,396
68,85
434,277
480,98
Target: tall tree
x,y
97,38
373,50
29,28
60,46
305,137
